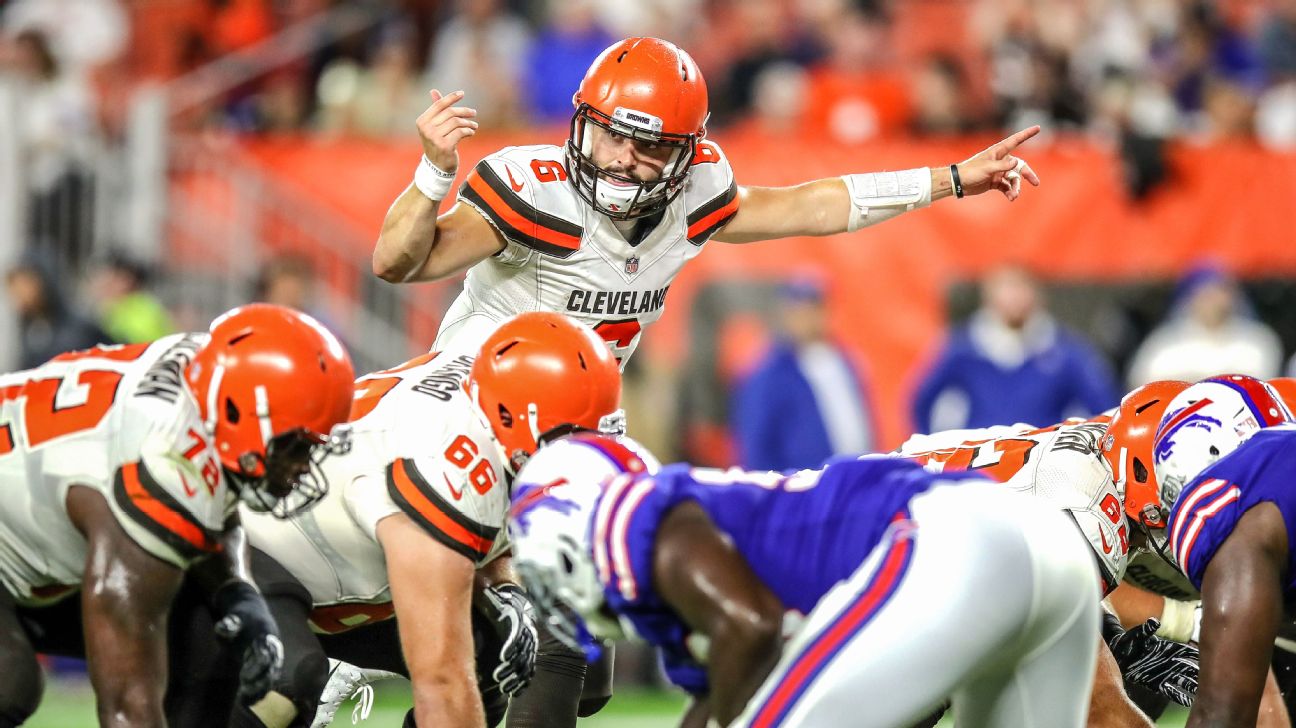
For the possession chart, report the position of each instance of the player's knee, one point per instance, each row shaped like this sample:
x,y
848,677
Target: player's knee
x,y
590,706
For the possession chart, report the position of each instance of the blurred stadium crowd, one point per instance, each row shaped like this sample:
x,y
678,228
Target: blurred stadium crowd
x,y
847,69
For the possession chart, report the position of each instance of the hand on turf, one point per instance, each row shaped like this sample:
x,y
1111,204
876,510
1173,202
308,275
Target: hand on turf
x,y
1167,667
516,628
442,126
996,168
244,621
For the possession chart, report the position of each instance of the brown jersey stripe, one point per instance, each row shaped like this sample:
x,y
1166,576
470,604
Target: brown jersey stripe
x,y
412,493
159,513
704,228
470,195
528,211
710,206
504,205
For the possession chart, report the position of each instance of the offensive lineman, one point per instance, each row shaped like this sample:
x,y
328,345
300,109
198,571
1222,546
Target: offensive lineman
x,y
121,468
875,567
599,228
415,520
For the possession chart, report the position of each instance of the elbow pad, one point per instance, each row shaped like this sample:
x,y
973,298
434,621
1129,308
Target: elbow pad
x,y
880,196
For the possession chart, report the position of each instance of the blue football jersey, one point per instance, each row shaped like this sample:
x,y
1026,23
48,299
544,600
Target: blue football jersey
x,y
801,533
1262,469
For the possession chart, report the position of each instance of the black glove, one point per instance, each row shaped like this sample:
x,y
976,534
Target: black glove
x,y
1164,666
244,621
513,618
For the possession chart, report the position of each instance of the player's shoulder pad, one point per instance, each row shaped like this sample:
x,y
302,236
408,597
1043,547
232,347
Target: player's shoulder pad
x,y
525,194
710,193
450,509
625,534
1201,520
170,513
160,397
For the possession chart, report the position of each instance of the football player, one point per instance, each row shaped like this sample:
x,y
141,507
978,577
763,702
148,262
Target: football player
x,y
1063,465
121,468
599,227
1154,587
413,528
873,569
1223,458
1217,512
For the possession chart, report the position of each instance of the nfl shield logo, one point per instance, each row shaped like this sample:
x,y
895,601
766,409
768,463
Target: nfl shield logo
x,y
632,264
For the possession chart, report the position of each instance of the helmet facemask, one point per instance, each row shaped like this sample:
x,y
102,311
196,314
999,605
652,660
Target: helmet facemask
x,y
289,478
623,196
567,598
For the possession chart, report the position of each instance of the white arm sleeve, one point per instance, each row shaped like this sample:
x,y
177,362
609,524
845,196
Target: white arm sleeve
x,y
880,196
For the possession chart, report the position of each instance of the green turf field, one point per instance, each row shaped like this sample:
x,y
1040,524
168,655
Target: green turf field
x,y
70,705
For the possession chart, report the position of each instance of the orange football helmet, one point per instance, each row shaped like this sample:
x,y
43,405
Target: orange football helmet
x,y
540,371
649,90
1286,388
273,385
1127,447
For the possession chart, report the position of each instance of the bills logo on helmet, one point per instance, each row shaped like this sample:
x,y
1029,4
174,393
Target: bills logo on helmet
x,y
1188,417
632,264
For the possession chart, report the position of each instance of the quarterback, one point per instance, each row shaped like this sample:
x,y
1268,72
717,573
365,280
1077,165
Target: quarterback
x,y
598,228
121,469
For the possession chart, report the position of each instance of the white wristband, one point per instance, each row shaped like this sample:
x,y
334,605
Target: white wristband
x,y
1180,621
432,181
880,196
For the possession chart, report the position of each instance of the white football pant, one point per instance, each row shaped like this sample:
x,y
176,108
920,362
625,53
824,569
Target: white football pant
x,y
986,595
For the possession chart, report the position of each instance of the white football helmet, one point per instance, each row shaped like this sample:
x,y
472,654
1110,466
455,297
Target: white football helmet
x,y
1207,421
553,504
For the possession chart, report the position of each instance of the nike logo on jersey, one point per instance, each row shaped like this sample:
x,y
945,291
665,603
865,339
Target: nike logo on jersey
x,y
456,493
517,186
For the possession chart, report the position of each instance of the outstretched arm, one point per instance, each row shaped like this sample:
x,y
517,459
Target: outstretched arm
x,y
417,243
1241,609
844,204
126,595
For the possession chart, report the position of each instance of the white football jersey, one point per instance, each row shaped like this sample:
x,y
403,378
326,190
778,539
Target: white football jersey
x,y
563,255
419,446
1062,464
120,420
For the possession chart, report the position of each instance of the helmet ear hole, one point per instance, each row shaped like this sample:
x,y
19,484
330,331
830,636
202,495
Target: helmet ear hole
x,y
1140,471
505,417
231,411
568,566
